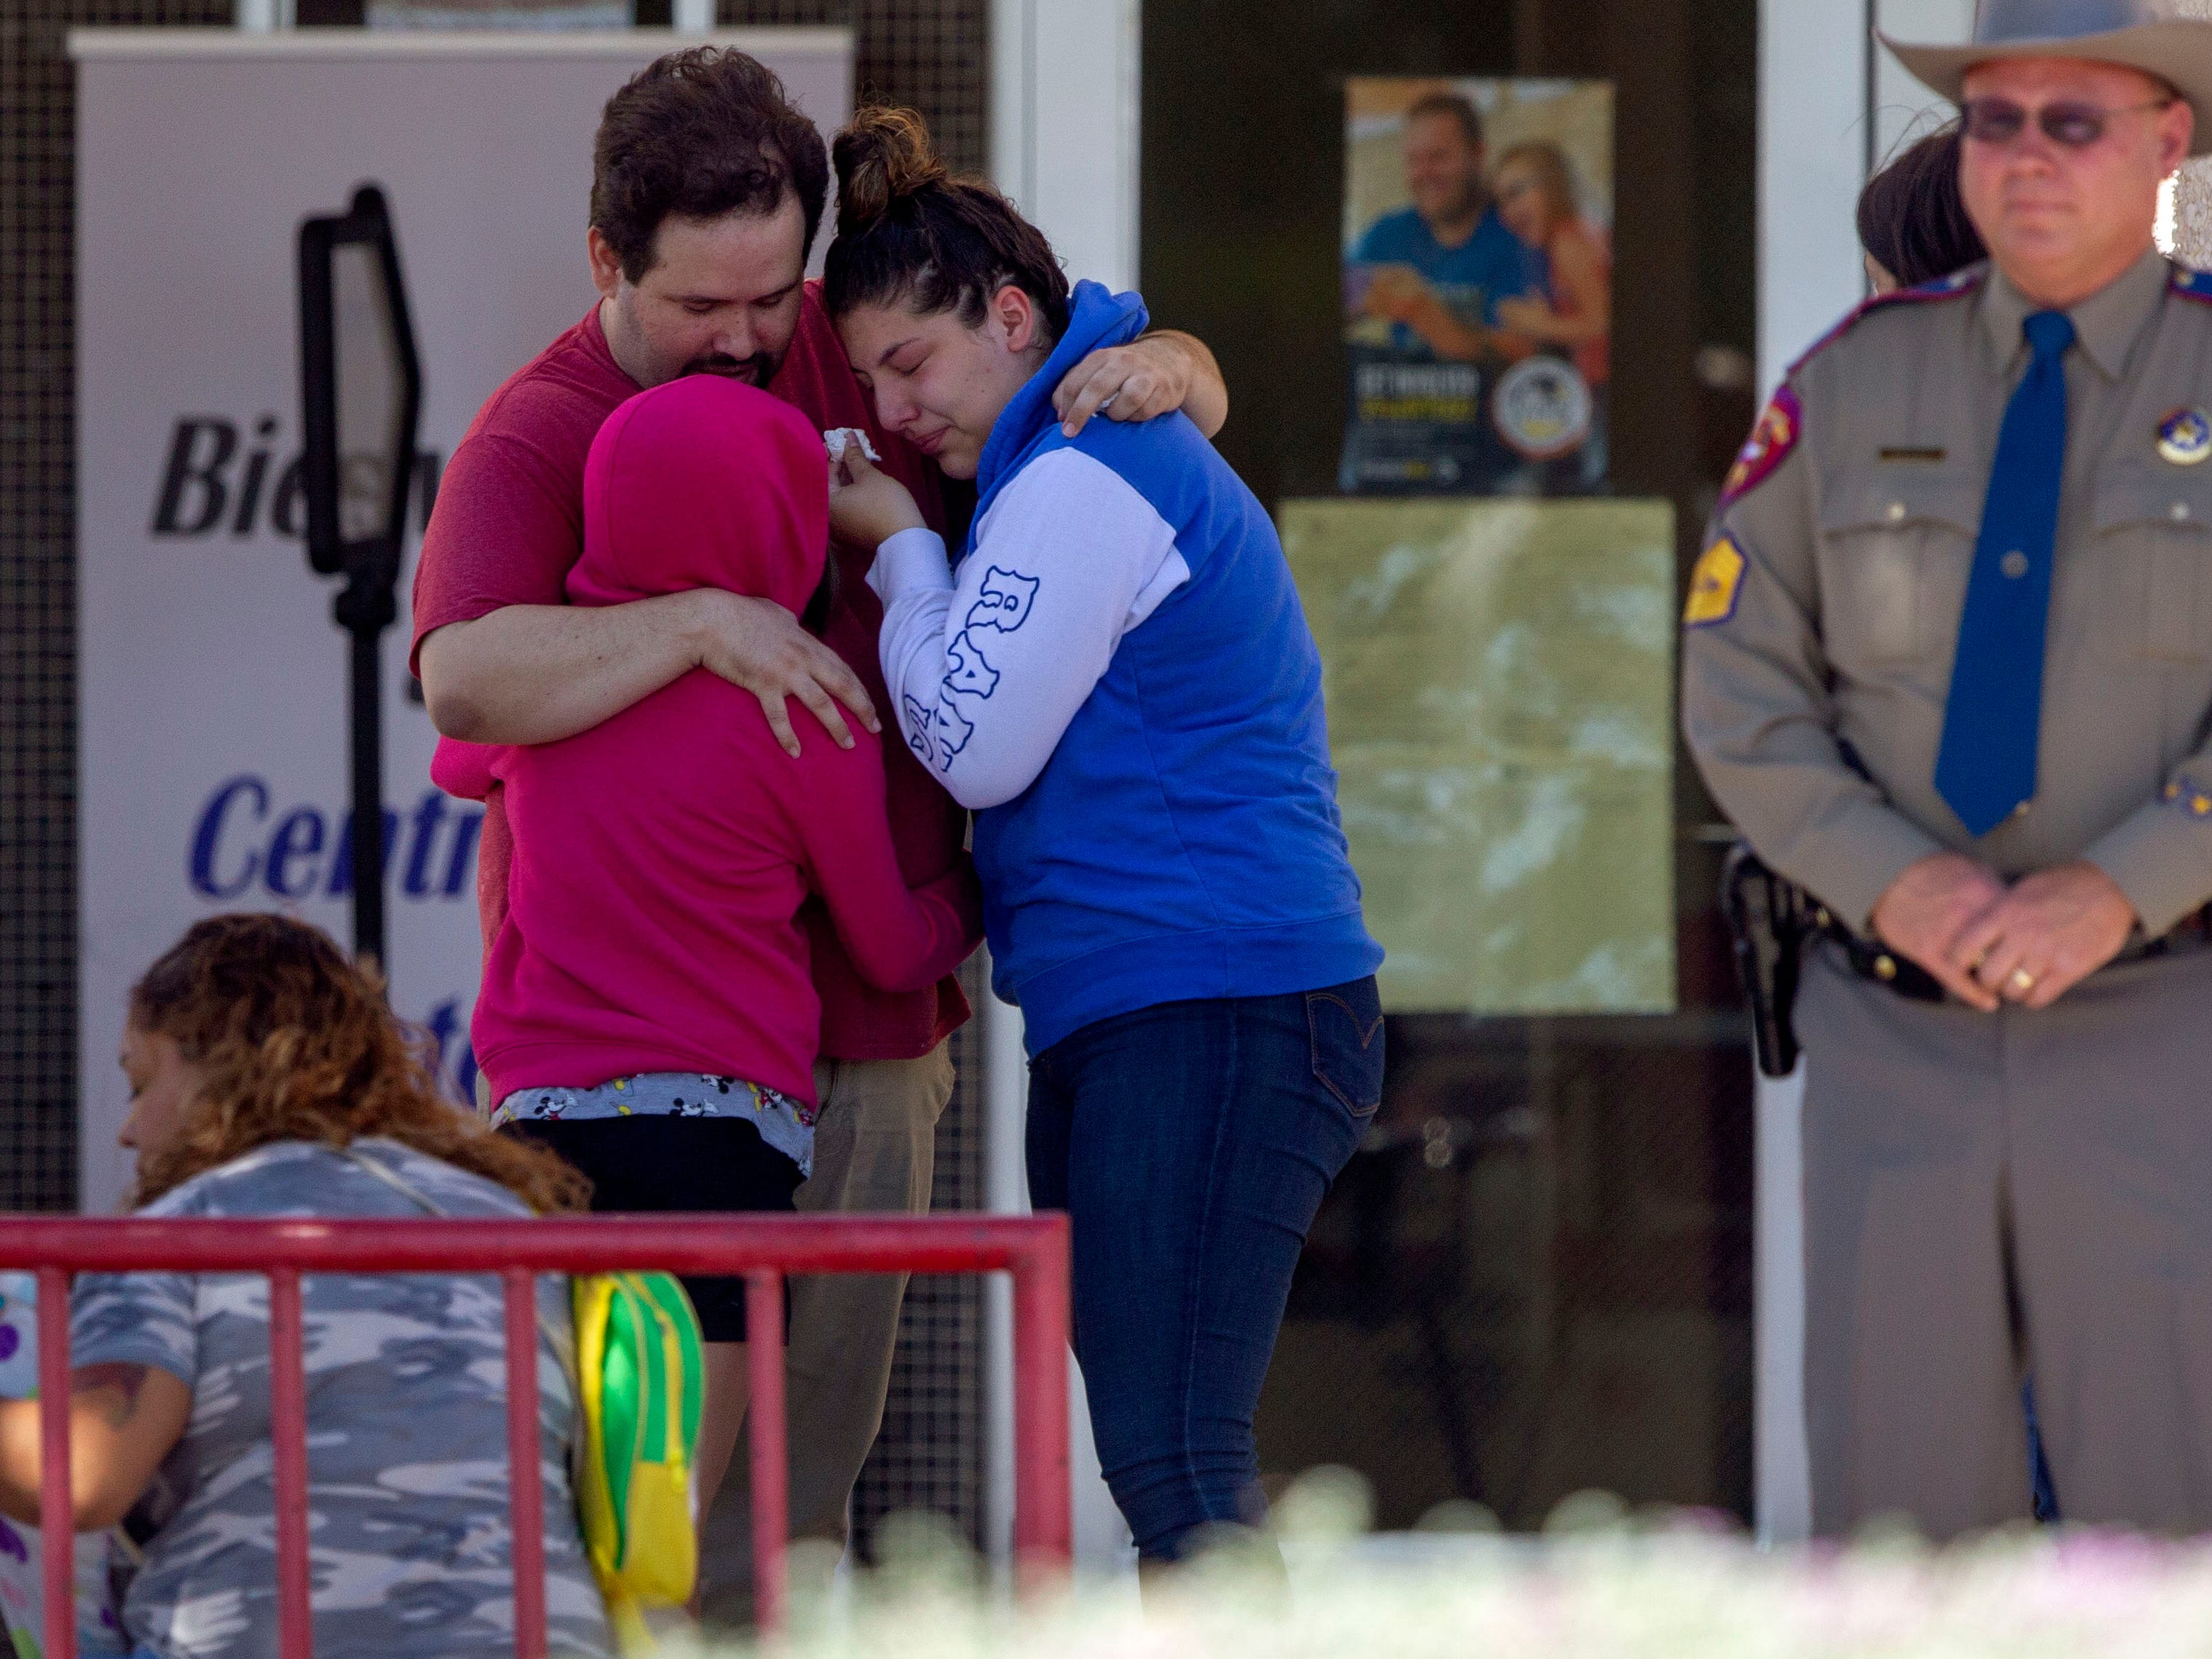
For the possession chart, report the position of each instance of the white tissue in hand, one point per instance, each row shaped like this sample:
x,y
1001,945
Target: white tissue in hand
x,y
838,438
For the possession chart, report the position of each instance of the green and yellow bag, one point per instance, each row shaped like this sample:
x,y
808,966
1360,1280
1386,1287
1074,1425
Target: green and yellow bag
x,y
640,1375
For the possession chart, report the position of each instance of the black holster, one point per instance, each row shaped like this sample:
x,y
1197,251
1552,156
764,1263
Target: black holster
x,y
1769,919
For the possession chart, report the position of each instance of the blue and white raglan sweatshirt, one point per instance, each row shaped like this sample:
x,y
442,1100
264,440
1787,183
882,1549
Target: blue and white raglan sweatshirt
x,y
1119,679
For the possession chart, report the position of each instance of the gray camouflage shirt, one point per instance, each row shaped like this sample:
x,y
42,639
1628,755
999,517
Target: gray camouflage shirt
x,y
406,1434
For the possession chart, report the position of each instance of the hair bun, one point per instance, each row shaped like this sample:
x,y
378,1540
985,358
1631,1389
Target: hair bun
x,y
884,155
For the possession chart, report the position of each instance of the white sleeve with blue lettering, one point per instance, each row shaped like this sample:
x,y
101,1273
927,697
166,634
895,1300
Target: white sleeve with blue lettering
x,y
986,672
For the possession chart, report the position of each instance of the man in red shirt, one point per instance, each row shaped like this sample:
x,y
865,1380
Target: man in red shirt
x,y
707,189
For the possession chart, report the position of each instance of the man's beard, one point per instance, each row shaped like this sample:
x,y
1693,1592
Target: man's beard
x,y
756,370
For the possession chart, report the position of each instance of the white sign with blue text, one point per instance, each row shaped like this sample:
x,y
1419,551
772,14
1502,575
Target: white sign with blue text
x,y
212,734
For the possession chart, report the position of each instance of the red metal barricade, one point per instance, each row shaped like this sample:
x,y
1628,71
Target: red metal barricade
x,y
764,1249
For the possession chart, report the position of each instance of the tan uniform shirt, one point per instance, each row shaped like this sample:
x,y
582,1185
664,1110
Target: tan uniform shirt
x,y
1832,634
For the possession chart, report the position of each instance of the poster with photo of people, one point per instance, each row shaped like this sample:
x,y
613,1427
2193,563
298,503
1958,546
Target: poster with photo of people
x,y
1477,286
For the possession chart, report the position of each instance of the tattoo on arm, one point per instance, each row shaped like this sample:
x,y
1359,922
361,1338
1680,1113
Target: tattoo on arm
x,y
119,1382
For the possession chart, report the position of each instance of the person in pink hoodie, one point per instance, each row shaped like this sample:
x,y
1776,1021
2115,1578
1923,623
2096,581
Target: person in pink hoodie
x,y
646,1008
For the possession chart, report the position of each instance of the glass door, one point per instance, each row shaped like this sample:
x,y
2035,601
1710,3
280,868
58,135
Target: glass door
x,y
1536,1277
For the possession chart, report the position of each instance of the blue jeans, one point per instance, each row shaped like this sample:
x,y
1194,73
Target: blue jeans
x,y
1191,1144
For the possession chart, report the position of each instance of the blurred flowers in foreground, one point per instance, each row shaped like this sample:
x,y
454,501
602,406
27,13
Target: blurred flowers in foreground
x,y
1600,1584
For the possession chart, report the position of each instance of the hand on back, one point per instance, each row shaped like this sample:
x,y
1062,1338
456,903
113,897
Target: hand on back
x,y
758,646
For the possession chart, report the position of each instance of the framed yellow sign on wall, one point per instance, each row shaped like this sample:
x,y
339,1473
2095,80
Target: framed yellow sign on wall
x,y
1500,690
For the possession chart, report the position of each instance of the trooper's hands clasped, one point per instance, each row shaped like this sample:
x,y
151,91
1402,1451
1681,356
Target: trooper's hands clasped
x,y
2049,933
1986,943
1928,907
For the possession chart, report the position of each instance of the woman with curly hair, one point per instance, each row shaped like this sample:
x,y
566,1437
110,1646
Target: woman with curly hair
x,y
269,1079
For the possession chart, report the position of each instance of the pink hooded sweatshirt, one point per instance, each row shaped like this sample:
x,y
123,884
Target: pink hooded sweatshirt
x,y
661,858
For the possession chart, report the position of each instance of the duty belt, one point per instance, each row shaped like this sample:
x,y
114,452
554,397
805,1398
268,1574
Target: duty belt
x,y
1770,919
1871,959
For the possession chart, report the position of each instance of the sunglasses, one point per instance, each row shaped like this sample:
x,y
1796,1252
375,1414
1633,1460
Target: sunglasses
x,y
2066,124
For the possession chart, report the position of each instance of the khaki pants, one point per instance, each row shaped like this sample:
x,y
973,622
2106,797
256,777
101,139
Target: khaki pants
x,y
874,1150
1989,1196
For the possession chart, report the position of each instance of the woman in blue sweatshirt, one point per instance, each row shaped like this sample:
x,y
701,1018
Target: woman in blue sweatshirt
x,y
1116,675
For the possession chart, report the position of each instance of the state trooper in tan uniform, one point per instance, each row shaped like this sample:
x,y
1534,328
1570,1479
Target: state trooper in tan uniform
x,y
1947,664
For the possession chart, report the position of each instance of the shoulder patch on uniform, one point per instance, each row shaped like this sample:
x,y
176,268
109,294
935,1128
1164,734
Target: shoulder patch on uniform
x,y
1716,584
1773,436
1957,285
2192,285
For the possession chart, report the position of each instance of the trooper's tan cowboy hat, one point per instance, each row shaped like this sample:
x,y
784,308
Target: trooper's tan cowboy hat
x,y
2154,36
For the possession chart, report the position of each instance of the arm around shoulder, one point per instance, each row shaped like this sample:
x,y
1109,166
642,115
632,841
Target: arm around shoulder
x,y
505,661
537,673
1205,395
1155,375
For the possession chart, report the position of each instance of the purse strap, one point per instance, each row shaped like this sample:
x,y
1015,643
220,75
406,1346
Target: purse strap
x,y
392,1178
563,1344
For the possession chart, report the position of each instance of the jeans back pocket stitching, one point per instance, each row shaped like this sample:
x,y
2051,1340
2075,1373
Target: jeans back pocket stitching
x,y
1366,1041
1312,1051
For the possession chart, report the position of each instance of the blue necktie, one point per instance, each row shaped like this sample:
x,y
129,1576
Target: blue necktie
x,y
1986,767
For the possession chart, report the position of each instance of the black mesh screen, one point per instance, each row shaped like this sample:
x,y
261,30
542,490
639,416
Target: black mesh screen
x,y
1536,1276
927,54
929,1455
38,585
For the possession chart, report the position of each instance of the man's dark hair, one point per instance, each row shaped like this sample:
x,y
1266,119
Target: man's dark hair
x,y
1912,219
907,230
1457,106
698,134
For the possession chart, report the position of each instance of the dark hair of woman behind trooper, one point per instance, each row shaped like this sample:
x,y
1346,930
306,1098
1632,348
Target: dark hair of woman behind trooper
x,y
1913,221
907,230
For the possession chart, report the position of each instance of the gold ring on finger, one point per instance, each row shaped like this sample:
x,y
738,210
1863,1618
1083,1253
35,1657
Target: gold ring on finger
x,y
2021,983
